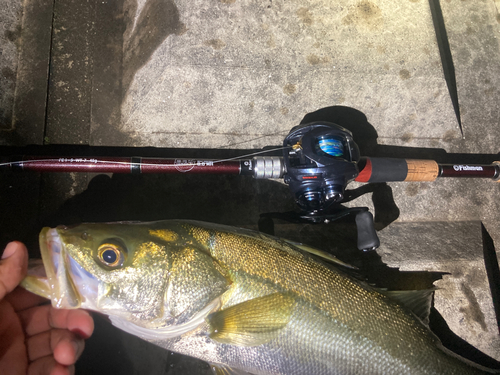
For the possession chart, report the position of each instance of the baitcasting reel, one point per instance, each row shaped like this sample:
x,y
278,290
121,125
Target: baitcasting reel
x,y
320,160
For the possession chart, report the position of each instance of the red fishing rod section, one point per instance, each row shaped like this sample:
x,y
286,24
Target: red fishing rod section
x,y
259,167
127,165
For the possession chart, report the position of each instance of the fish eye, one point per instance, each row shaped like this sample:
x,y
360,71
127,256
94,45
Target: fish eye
x,y
111,254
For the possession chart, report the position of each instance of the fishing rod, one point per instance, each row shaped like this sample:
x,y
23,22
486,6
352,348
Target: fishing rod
x,y
319,160
371,169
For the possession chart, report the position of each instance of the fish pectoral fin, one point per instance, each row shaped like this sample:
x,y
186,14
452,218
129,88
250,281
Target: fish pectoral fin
x,y
252,322
219,369
418,301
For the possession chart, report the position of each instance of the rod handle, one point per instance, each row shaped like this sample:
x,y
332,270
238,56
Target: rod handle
x,y
392,169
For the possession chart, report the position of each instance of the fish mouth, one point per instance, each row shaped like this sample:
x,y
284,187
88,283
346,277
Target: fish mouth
x,y
65,282
57,268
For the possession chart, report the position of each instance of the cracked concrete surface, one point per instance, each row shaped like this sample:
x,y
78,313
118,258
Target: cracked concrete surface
x,y
257,67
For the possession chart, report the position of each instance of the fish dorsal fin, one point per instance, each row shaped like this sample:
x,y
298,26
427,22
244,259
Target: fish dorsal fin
x,y
418,301
167,332
320,254
252,322
219,369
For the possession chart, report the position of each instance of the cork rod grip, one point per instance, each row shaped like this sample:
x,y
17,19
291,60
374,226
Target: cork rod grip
x,y
422,170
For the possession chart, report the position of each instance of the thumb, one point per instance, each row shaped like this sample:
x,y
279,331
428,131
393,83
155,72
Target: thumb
x,y
13,267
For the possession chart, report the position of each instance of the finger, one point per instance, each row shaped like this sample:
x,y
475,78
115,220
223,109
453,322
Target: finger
x,y
67,352
63,370
43,318
77,321
13,357
21,299
49,366
13,267
65,346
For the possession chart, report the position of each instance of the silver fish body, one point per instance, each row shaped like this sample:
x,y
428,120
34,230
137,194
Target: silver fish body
x,y
238,299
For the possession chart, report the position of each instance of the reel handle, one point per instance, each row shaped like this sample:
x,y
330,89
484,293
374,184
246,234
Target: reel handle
x,y
367,236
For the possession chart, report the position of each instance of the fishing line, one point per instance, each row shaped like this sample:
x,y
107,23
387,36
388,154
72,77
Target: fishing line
x,y
252,154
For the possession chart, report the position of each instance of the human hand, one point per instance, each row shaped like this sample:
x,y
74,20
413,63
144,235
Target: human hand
x,y
35,338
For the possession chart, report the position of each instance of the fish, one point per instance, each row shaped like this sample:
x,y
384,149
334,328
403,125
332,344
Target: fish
x,y
243,301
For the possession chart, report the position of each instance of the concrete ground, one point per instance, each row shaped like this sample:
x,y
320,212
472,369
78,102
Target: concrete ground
x,y
411,79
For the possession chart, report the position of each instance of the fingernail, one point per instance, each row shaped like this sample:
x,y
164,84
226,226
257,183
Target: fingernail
x,y
80,333
10,249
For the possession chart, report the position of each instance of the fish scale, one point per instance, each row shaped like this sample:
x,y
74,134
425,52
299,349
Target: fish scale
x,y
242,301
